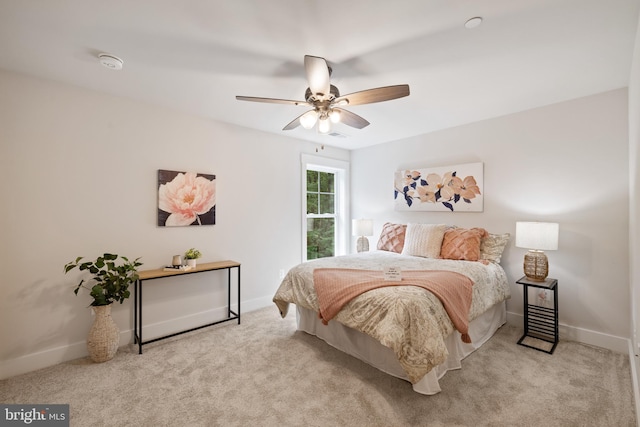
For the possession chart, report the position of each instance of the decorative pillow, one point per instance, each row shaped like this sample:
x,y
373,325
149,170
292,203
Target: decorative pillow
x,y
493,245
423,240
462,244
392,237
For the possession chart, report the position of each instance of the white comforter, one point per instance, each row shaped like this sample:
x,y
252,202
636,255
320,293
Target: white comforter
x,y
408,319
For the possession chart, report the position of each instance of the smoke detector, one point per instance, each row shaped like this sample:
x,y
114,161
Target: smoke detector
x,y
110,61
473,22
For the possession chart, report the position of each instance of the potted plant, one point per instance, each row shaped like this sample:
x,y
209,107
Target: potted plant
x,y
111,281
191,256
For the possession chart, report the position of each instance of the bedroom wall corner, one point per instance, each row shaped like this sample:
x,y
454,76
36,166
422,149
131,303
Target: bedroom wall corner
x,y
543,164
634,216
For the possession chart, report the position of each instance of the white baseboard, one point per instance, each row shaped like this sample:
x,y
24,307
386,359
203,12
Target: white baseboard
x,y
585,336
635,365
54,356
42,359
50,357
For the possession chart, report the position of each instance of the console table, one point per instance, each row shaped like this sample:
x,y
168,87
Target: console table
x,y
161,273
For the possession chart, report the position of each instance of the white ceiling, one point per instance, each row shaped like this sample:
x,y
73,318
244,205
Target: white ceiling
x,y
196,55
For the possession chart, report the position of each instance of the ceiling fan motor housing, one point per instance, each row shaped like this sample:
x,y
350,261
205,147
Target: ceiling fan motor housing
x,y
310,97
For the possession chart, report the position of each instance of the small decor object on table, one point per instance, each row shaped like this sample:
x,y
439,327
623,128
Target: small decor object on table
x,y
182,268
191,256
176,261
112,283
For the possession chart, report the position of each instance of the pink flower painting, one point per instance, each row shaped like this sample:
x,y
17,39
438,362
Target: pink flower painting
x,y
186,198
448,188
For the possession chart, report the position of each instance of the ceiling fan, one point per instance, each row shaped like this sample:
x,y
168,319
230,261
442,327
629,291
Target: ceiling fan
x,y
326,101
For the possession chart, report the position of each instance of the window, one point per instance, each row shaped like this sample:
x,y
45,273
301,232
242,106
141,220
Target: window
x,y
324,200
321,214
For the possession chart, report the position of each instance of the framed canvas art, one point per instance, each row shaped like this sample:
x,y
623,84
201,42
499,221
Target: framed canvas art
x,y
186,198
447,189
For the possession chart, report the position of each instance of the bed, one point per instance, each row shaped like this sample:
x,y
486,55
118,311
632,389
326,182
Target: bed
x,y
403,328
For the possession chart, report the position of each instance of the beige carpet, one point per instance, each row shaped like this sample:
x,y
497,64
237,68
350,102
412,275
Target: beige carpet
x,y
264,373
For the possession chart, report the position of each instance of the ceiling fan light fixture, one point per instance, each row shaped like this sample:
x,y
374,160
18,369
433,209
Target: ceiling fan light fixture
x,y
334,116
308,119
324,126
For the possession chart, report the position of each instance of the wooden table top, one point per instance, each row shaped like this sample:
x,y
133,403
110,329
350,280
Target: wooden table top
x,y
207,266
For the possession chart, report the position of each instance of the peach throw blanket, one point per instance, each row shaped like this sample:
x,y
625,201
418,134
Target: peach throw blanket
x,y
335,287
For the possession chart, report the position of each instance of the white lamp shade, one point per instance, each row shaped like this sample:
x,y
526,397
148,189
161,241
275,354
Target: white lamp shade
x,y
362,227
537,235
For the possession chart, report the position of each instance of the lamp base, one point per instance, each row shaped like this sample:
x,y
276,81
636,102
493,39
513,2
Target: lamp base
x,y
363,244
536,266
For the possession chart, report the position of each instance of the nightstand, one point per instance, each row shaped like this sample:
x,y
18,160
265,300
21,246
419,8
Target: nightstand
x,y
540,322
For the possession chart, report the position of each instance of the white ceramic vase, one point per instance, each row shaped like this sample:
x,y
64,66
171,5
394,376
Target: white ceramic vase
x,y
104,335
191,263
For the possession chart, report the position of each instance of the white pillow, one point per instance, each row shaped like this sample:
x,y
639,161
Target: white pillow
x,y
424,240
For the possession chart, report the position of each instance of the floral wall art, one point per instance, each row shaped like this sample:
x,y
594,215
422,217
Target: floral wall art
x,y
186,198
450,188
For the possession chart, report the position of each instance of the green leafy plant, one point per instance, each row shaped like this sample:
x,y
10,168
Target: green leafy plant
x,y
112,279
192,253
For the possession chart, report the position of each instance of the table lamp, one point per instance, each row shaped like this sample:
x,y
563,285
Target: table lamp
x,y
537,237
362,228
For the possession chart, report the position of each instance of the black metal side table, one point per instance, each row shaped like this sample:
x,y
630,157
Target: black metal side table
x,y
160,273
540,322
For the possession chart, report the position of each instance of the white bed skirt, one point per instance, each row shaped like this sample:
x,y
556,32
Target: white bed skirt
x,y
369,350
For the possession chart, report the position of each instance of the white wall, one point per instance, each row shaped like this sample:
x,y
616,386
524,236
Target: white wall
x,y
79,177
634,188
634,211
565,163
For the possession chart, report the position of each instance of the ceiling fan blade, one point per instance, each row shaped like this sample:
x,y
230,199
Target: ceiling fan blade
x,y
351,119
317,75
271,100
294,123
379,94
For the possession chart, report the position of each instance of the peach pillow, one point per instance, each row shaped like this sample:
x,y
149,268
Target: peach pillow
x,y
462,244
392,237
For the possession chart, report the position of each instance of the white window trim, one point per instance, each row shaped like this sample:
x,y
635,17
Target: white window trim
x,y
341,169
